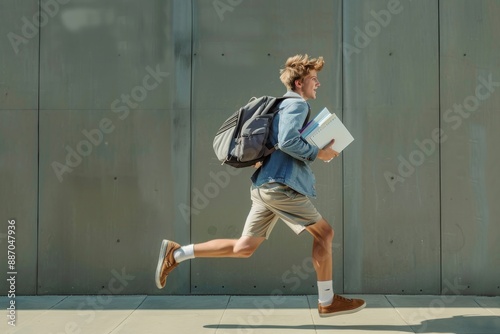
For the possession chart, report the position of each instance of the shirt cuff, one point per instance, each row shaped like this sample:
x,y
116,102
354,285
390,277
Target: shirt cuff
x,y
314,154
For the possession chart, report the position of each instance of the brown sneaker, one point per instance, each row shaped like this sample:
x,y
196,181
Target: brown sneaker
x,y
166,262
341,305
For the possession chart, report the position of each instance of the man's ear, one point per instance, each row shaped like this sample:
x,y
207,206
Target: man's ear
x,y
298,83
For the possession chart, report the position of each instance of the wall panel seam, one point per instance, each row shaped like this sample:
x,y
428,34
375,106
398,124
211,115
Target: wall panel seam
x,y
343,160
37,222
191,136
439,151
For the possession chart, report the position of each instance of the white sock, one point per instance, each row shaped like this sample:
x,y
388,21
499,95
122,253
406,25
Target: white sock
x,y
184,253
325,292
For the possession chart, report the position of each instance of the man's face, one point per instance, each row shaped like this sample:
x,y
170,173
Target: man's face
x,y
309,85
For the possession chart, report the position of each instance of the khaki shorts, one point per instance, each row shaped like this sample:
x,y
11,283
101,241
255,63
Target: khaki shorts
x,y
272,201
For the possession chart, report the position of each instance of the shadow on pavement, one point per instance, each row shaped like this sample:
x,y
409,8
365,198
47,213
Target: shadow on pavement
x,y
456,324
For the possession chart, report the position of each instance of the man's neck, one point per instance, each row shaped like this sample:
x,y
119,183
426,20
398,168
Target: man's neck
x,y
300,93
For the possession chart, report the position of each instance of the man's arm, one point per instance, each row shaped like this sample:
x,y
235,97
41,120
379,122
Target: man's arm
x,y
289,140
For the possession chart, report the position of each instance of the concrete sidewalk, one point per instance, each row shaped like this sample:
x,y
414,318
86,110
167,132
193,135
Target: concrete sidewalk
x,y
249,314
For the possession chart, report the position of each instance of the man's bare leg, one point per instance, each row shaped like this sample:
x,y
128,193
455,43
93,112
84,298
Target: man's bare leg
x,y
171,253
322,249
330,304
242,247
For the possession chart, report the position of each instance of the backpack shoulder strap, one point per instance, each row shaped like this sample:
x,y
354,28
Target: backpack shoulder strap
x,y
308,115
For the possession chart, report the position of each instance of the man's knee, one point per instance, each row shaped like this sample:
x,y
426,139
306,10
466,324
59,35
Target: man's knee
x,y
244,249
328,233
323,231
243,252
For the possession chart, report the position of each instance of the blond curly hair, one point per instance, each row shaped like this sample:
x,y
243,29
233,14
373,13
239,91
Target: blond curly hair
x,y
297,68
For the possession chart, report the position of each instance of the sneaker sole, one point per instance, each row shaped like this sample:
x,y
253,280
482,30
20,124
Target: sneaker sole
x,y
326,315
161,258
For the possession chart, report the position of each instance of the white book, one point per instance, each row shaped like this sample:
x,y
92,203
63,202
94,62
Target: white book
x,y
322,130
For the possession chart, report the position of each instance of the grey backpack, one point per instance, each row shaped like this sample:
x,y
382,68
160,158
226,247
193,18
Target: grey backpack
x,y
242,140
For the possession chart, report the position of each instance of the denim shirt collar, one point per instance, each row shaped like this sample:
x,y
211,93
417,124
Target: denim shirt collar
x,y
291,93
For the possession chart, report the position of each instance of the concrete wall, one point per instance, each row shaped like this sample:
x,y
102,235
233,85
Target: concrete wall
x,y
391,99
108,110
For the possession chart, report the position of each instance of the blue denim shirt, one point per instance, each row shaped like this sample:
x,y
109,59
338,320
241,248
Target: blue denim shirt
x,y
289,164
